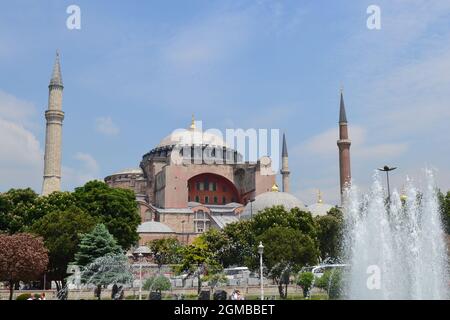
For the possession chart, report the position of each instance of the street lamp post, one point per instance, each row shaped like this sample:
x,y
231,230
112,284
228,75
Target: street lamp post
x,y
387,170
261,251
140,275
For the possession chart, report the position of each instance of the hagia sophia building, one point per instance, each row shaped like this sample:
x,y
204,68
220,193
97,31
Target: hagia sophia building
x,y
182,195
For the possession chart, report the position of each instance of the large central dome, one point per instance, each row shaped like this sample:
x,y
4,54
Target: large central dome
x,y
193,136
188,137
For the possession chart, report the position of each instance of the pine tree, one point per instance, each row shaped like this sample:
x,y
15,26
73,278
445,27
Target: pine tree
x,y
95,244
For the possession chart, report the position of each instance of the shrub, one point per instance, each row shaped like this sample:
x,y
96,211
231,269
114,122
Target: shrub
x,y
305,280
157,283
23,296
332,282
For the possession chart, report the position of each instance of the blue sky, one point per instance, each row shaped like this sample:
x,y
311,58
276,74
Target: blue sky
x,y
137,70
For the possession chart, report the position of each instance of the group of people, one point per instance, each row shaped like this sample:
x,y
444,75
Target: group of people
x,y
236,295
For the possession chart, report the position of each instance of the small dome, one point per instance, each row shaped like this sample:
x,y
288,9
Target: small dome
x,y
319,209
142,249
270,199
129,171
154,227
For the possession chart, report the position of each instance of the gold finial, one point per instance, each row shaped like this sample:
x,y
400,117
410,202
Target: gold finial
x,y
192,123
319,197
403,196
275,188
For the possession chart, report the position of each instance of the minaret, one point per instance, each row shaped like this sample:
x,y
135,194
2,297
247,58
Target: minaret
x,y
54,116
344,148
285,166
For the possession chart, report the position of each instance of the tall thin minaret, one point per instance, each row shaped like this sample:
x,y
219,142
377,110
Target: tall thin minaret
x,y
344,148
285,166
53,136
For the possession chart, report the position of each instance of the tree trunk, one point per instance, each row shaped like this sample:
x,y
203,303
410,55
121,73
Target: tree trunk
x,y
286,290
280,289
11,289
199,284
99,292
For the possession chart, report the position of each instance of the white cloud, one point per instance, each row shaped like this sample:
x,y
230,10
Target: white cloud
x,y
87,170
21,156
106,126
16,110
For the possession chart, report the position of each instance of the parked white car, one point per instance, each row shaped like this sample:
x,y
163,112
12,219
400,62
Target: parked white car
x,y
318,271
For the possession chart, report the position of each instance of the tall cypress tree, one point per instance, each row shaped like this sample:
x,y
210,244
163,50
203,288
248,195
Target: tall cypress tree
x,y
95,244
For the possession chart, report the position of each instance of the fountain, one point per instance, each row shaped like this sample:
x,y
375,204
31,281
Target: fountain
x,y
396,248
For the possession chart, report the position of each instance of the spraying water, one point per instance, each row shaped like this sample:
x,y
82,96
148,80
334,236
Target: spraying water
x,y
396,250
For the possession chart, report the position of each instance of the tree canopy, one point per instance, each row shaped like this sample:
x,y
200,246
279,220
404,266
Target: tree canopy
x,y
286,250
61,231
329,234
444,200
165,251
115,208
198,260
108,269
23,257
17,210
96,244
289,237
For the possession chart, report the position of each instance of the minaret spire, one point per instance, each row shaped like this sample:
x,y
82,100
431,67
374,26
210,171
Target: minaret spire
x,y
342,114
344,148
56,79
285,166
53,135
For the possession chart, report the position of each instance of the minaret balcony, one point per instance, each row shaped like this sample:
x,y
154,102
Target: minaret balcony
x,y
54,116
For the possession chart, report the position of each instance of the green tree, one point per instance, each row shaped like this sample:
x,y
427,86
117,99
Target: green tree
x,y
219,243
61,232
105,270
199,261
96,244
165,251
239,244
157,283
286,250
444,200
279,216
17,210
329,233
114,207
